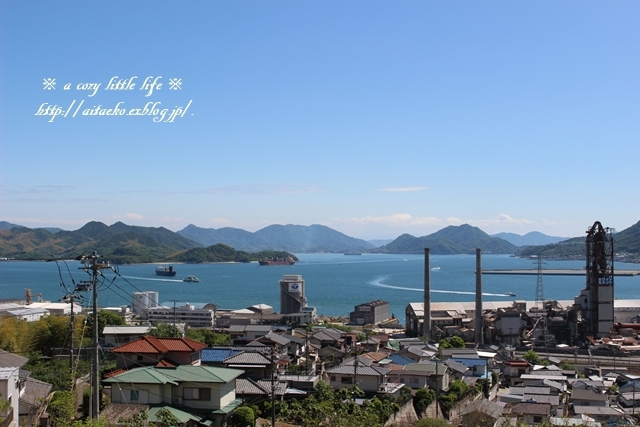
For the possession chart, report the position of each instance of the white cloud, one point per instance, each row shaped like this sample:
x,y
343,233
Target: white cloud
x,y
128,217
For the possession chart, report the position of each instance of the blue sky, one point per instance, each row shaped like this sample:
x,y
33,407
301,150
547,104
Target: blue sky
x,y
374,118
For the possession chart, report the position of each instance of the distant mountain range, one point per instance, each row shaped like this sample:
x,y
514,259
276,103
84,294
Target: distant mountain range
x,y
123,243
530,239
290,238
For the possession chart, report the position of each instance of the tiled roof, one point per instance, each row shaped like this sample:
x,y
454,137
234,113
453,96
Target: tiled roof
x,y
278,339
375,356
153,345
247,358
248,386
530,408
279,387
359,370
34,392
164,363
10,360
483,406
182,373
114,373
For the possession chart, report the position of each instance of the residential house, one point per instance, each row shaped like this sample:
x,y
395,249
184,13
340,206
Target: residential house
x,y
149,351
477,367
206,394
480,413
32,396
368,378
436,375
586,397
10,391
528,413
118,335
248,333
603,414
417,353
512,370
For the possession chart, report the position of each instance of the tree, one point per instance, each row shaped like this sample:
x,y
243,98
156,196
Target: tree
x,y
431,422
243,417
167,419
531,357
456,342
5,405
208,337
62,408
105,318
165,330
423,399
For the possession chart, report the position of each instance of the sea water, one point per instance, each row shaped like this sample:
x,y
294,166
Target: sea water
x,y
334,283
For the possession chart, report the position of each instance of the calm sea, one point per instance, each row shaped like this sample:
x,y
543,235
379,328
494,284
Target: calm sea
x,y
334,283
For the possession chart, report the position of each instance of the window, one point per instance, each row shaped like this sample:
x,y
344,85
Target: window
x,y
413,381
189,393
333,378
139,357
346,380
134,395
537,419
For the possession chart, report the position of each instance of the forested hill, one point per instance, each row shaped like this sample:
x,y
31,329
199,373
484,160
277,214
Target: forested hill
x,y
463,239
224,253
118,243
626,245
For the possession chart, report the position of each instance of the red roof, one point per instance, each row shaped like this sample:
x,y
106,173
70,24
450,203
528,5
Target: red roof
x,y
113,373
153,345
164,363
522,363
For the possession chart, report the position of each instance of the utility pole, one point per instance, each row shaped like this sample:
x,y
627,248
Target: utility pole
x,y
437,390
273,387
72,320
175,330
95,269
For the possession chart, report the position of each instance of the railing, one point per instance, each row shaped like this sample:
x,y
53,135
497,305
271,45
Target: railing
x,y
7,421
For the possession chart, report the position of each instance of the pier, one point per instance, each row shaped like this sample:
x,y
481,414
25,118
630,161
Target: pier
x,y
556,272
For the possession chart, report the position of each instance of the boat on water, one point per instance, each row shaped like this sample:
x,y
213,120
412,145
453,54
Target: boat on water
x,y
435,268
511,294
352,252
165,271
277,261
191,279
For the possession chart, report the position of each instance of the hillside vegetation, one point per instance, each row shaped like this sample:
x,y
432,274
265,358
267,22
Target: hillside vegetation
x,y
463,239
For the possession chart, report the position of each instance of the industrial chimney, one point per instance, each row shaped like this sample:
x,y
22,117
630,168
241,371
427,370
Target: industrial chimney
x,y
427,296
479,319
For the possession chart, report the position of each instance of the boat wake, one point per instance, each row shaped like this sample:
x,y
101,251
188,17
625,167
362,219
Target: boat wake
x,y
378,282
152,279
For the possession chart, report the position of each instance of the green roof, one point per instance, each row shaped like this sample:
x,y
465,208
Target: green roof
x,y
183,373
229,408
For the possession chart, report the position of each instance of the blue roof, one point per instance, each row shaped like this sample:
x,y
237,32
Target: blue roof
x,y
217,355
400,360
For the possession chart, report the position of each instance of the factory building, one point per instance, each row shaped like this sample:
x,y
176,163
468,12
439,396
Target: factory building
x,y
142,301
372,312
292,297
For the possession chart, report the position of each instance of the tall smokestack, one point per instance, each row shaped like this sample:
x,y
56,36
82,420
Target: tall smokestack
x,y
479,321
427,295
